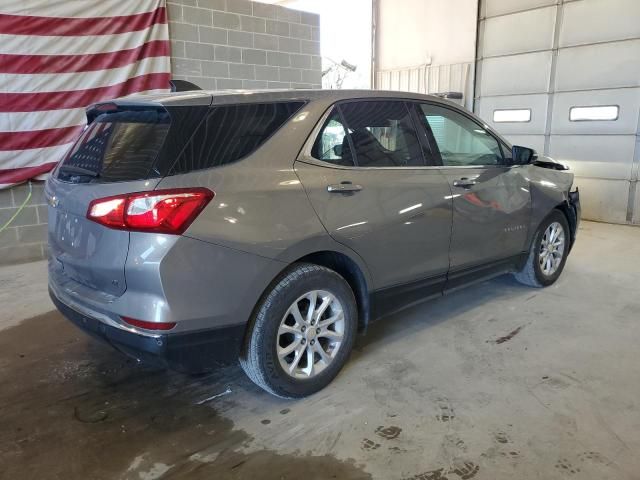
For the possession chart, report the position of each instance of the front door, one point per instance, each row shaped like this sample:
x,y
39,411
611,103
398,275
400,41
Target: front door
x,y
491,199
372,192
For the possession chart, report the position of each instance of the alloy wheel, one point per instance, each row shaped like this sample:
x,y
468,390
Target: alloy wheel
x,y
551,249
310,334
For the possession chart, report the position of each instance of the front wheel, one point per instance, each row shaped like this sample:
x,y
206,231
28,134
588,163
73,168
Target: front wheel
x,y
548,253
302,332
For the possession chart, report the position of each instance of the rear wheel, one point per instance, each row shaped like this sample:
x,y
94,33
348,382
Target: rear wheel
x,y
302,332
548,252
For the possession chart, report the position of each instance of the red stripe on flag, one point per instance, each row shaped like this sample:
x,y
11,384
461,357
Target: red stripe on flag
x,y
41,101
59,26
19,175
30,64
38,138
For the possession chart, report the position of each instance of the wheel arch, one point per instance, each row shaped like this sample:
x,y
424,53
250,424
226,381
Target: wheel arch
x,y
572,220
353,275
569,213
347,267
549,192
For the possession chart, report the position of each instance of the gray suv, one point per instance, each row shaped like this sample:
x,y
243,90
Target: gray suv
x,y
194,228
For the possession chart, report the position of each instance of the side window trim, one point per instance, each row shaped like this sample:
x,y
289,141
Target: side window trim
x,y
354,154
423,140
309,154
424,130
506,150
306,154
504,163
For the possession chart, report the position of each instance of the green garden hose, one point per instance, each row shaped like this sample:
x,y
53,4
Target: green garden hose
x,y
13,217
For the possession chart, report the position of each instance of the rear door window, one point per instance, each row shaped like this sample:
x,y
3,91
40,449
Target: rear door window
x,y
231,133
382,134
332,144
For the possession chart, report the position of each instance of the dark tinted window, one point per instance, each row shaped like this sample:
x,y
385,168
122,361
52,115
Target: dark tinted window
x,y
184,122
230,133
332,144
130,144
382,134
117,146
461,141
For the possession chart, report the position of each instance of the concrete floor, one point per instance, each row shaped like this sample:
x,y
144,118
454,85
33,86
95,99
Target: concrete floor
x,y
497,381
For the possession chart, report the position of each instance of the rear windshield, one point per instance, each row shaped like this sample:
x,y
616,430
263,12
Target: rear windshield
x,y
117,146
142,143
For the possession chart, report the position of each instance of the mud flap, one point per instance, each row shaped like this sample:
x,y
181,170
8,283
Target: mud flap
x,y
574,214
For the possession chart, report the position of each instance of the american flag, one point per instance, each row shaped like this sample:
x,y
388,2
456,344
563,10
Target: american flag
x,y
57,57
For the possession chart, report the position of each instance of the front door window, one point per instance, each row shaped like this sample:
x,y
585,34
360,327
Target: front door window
x,y
461,141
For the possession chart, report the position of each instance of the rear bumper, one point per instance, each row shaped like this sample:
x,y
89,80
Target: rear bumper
x,y
193,352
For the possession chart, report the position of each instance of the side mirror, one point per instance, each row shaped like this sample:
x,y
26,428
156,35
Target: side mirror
x,y
337,150
522,155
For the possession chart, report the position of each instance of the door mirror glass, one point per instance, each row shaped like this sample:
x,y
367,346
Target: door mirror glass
x,y
337,150
522,155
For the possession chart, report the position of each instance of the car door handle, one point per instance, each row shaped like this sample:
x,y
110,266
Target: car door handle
x,y
344,187
464,183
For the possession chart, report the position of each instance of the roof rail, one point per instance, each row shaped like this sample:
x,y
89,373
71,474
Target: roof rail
x,y
449,95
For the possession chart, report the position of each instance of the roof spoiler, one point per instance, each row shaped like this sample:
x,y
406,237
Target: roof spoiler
x,y
183,86
94,111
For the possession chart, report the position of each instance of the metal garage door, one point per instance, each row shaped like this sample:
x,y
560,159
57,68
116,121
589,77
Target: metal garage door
x,y
564,78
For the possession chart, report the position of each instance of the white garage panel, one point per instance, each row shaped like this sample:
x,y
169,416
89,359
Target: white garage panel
x,y
605,200
500,7
580,53
515,74
532,141
537,104
606,65
527,32
601,156
582,21
628,99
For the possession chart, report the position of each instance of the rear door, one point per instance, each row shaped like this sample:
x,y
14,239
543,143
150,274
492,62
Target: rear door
x,y
117,153
367,180
491,199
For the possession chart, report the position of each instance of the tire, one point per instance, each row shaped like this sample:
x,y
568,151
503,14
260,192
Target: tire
x,y
275,314
533,273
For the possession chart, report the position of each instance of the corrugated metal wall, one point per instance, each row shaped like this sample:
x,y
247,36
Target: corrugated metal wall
x,y
430,79
548,56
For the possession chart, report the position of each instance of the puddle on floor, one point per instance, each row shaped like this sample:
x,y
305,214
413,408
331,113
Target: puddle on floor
x,y
73,408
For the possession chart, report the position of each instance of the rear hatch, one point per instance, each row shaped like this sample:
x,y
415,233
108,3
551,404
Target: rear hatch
x,y
125,148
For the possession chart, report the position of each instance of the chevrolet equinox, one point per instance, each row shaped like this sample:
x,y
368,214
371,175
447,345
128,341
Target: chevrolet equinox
x,y
188,229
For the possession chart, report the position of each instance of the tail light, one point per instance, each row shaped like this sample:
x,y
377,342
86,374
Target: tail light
x,y
158,211
149,325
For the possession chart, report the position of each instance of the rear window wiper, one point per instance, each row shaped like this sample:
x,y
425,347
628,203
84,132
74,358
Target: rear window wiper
x,y
85,172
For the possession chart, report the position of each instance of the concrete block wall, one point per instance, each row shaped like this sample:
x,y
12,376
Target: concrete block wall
x,y
25,238
216,44
223,44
